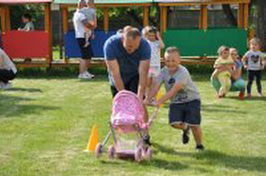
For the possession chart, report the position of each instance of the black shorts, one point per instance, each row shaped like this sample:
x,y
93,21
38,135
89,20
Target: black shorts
x,y
6,75
86,52
132,86
188,113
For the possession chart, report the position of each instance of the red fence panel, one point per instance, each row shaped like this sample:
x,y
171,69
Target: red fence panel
x,y
21,44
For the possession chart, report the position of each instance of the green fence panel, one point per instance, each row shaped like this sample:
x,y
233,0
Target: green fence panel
x,y
195,42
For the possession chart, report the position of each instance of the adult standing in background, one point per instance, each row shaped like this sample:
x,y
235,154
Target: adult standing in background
x,y
81,23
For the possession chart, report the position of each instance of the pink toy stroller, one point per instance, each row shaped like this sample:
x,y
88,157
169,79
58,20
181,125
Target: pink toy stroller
x,y
127,127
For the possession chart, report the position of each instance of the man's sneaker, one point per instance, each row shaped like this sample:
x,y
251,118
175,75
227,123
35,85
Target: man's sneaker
x,y
241,95
146,139
89,74
260,95
249,96
200,147
185,136
83,76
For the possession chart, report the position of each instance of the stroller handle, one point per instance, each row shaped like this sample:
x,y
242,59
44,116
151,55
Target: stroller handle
x,y
153,116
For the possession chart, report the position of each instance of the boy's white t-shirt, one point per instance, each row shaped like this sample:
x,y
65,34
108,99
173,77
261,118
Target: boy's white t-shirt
x,y
78,25
7,63
155,53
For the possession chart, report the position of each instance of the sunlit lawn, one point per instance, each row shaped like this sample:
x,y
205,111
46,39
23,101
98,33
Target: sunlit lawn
x,y
45,125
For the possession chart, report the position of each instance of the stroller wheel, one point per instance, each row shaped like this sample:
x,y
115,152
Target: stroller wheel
x,y
138,154
111,152
98,150
149,153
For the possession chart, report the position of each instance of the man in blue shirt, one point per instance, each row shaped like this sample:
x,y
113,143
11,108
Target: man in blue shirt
x,y
127,58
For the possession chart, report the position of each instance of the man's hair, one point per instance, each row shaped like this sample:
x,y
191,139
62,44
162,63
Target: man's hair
x,y
132,33
171,50
255,40
27,16
222,49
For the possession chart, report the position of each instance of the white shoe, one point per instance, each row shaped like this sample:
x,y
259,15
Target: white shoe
x,y
83,76
5,86
89,74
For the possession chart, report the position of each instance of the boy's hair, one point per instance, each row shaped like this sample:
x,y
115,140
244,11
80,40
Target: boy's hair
x,y
255,40
171,50
222,49
27,16
132,33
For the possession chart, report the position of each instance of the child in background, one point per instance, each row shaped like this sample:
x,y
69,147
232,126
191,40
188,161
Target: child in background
x,y
90,13
254,63
154,39
236,75
27,20
222,65
185,103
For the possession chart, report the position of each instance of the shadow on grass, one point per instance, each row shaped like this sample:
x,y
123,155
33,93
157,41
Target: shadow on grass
x,y
236,162
31,90
249,99
10,106
220,108
155,162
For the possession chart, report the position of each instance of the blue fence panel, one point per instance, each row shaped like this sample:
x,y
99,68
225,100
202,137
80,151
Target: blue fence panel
x,y
72,49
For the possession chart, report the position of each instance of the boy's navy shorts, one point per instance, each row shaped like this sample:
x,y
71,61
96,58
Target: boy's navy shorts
x,y
188,113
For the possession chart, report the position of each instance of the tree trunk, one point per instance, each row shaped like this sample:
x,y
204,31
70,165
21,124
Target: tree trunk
x,y
229,14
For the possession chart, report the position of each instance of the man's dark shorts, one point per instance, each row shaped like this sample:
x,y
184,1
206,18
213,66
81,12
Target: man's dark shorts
x,y
188,113
86,52
131,85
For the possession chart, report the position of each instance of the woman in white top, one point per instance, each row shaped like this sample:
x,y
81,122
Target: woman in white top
x,y
8,70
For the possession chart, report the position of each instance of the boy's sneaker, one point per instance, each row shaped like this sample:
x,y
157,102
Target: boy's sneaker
x,y
146,140
200,147
185,136
89,75
241,95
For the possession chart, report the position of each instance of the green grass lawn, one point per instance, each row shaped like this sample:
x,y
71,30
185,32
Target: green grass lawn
x,y
45,125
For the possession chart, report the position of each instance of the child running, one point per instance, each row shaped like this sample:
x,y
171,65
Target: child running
x,y
222,66
90,13
156,43
253,61
185,102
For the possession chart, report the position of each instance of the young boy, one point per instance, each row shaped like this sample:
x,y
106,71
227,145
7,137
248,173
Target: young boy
x,y
90,13
253,61
27,20
185,103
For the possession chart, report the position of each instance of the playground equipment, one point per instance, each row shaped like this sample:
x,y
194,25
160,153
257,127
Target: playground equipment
x,y
70,44
36,45
200,45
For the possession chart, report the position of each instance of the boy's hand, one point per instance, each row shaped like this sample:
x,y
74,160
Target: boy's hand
x,y
245,66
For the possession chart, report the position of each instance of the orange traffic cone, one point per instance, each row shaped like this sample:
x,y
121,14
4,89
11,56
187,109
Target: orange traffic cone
x,y
94,139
